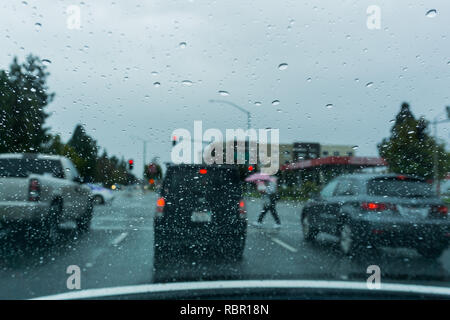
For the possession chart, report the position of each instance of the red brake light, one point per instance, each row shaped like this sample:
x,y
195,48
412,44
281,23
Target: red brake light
x,y
442,210
374,206
401,177
242,210
160,203
203,171
34,190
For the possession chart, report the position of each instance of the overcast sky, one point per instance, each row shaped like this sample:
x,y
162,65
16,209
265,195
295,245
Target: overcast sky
x,y
103,74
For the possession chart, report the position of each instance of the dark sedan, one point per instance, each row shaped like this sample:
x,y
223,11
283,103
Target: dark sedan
x,y
369,210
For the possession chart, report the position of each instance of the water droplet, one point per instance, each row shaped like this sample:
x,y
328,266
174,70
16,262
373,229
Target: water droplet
x,y
46,62
187,83
156,84
154,73
257,103
282,66
355,147
308,79
224,93
182,45
329,106
24,3
369,84
37,26
275,102
431,13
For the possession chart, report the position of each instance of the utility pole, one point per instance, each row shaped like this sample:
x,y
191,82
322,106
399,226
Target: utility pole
x,y
144,153
435,151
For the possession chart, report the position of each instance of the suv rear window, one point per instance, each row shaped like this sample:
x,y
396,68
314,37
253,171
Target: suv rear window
x,y
191,180
404,188
20,168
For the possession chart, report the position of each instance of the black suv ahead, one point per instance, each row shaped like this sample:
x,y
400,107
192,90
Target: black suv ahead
x,y
366,210
200,206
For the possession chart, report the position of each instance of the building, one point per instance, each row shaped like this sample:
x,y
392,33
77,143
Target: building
x,y
329,150
322,170
286,153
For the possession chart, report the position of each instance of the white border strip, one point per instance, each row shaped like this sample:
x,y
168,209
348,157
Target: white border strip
x,y
244,284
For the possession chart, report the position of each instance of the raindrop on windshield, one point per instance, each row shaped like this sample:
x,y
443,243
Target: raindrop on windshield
x,y
329,106
431,13
46,62
283,66
187,83
275,102
369,84
182,45
156,84
224,93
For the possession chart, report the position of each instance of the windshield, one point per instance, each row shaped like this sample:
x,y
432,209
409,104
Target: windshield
x,y
25,167
401,188
223,140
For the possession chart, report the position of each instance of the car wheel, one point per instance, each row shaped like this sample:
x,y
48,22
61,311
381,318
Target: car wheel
x,y
431,252
347,241
309,232
84,222
98,199
51,230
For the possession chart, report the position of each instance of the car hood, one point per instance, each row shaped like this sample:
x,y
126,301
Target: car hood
x,y
164,288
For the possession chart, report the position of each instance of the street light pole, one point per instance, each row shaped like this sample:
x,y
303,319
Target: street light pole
x,y
435,151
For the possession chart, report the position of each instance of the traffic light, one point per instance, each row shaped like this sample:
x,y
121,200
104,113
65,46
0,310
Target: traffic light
x,y
130,164
174,141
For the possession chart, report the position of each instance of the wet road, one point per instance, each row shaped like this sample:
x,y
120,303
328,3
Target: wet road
x,y
118,250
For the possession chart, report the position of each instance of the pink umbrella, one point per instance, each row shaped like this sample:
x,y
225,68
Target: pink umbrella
x,y
257,177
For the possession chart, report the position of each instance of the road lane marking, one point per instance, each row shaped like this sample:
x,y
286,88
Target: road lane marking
x,y
120,228
283,244
119,239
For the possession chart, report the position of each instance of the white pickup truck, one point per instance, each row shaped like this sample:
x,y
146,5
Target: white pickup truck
x,y
39,192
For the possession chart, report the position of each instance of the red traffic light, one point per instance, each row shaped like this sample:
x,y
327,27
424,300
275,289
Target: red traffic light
x,y
130,162
250,168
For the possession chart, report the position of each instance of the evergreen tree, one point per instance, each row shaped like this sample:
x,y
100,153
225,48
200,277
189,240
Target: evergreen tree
x,y
23,97
410,149
86,149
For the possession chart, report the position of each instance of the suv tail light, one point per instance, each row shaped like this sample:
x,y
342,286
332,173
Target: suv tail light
x,y
377,206
242,208
34,190
440,210
160,204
